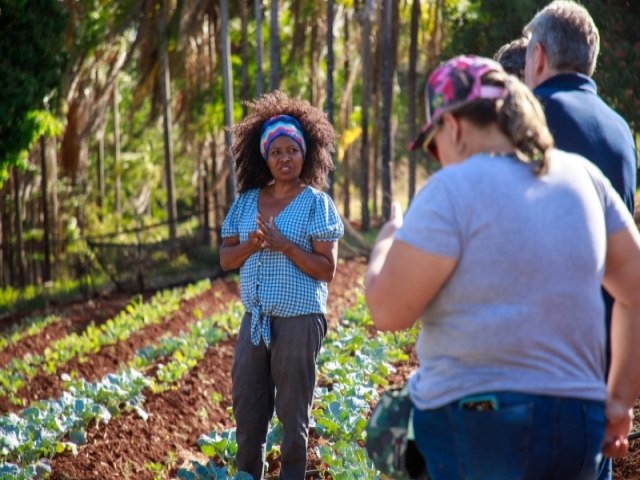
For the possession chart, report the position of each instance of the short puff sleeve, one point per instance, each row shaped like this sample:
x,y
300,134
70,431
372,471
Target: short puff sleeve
x,y
325,224
230,224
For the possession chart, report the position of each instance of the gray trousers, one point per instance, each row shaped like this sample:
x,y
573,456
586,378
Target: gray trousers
x,y
283,378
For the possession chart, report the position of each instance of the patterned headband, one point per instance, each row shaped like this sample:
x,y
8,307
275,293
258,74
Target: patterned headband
x,y
278,126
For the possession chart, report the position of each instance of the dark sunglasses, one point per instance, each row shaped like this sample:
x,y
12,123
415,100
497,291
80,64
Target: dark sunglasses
x,y
429,144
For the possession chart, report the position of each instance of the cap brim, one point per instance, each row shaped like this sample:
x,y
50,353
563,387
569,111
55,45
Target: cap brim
x,y
425,133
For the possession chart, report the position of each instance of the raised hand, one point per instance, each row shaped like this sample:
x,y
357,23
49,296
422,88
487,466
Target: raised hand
x,y
272,238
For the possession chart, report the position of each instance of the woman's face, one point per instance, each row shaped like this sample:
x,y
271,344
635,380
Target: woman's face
x,y
447,133
284,159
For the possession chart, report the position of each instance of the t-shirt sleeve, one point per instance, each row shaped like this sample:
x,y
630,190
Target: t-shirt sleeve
x,y
325,223
230,224
431,223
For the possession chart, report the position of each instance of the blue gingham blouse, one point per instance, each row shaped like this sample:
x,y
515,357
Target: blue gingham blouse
x,y
270,284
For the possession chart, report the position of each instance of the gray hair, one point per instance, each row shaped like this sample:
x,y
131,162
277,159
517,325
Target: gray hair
x,y
568,35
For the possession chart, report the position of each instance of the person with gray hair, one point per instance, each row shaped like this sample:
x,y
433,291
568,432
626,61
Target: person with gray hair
x,y
562,53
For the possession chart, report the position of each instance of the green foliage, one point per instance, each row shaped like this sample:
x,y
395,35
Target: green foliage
x,y
40,431
482,26
33,59
352,367
619,61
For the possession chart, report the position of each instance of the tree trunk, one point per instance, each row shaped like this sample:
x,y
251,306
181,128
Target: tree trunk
x,y
217,209
411,93
365,44
386,86
116,154
55,211
274,56
377,117
101,181
244,86
46,267
329,99
257,6
344,124
228,101
5,213
213,196
206,203
165,88
17,199
298,38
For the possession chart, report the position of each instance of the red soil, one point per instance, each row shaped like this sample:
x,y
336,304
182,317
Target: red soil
x,y
130,448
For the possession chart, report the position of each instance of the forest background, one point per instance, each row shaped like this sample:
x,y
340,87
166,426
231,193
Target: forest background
x,y
113,148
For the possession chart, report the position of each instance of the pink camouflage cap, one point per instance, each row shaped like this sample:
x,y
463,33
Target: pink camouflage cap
x,y
452,84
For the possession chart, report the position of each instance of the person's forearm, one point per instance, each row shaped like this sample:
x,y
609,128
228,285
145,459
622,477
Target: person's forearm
x,y
234,256
313,264
624,374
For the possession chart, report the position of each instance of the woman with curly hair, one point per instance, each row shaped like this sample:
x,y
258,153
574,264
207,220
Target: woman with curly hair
x,y
282,232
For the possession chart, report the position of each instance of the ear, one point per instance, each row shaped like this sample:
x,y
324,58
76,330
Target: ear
x,y
539,60
452,128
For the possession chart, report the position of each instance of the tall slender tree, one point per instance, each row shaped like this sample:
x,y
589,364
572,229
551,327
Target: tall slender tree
x,y
411,93
329,99
165,89
100,168
366,19
257,6
228,101
386,83
244,49
116,154
345,115
274,42
17,198
46,237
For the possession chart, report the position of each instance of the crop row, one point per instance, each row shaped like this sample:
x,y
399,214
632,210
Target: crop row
x,y
26,328
132,318
53,426
353,367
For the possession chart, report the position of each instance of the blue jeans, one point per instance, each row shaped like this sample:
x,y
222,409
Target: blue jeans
x,y
527,437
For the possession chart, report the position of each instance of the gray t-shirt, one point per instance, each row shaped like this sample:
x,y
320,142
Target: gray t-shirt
x,y
523,310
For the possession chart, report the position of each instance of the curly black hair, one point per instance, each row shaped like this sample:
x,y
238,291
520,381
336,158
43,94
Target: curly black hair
x,y
252,170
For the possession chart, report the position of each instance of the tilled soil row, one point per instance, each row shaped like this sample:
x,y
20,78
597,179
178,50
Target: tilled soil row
x,y
73,318
130,448
95,366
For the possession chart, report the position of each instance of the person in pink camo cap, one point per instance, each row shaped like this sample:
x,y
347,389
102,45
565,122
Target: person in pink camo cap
x,y
501,257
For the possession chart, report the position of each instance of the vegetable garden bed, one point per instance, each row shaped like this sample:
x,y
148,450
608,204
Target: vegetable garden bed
x,y
190,402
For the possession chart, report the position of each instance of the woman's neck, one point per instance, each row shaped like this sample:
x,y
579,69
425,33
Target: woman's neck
x,y
488,140
284,189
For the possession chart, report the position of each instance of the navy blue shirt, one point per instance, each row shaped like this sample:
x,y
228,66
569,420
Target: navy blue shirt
x,y
581,122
